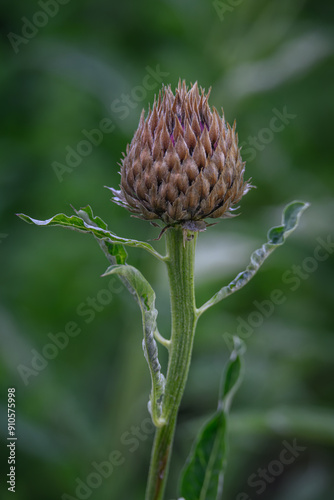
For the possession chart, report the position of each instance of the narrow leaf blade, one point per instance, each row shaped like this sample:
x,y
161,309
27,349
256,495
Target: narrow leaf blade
x,y
85,222
232,375
276,237
146,300
201,479
203,475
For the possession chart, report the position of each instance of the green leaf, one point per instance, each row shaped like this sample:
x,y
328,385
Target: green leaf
x,y
203,476
115,253
112,245
232,376
85,222
276,238
146,300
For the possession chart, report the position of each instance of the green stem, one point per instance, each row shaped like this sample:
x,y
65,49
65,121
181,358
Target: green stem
x,y
180,265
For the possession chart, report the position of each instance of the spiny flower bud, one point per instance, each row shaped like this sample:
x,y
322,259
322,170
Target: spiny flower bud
x,y
183,164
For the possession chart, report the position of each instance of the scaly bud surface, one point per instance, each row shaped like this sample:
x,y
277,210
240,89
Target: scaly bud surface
x,y
183,164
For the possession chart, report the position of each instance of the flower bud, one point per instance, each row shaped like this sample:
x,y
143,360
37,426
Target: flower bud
x,y
183,164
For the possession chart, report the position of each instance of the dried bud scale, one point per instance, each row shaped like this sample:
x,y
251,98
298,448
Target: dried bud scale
x,y
183,164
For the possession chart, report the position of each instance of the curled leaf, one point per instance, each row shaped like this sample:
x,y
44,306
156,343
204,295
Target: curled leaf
x,y
146,300
276,237
85,222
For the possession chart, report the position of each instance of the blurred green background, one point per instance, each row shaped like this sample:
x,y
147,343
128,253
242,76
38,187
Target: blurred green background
x,y
64,72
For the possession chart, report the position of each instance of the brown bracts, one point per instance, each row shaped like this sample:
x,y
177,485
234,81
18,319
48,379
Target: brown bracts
x,y
183,164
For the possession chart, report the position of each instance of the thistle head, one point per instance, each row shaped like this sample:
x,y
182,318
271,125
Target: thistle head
x,y
183,164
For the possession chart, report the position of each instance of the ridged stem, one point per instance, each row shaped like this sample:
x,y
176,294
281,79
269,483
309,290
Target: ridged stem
x,y
180,265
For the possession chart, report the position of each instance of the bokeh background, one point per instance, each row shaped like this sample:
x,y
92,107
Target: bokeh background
x,y
65,71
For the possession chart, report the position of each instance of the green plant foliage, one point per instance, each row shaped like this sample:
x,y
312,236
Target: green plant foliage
x,y
232,376
203,475
112,245
276,238
82,222
87,64
146,300
114,252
